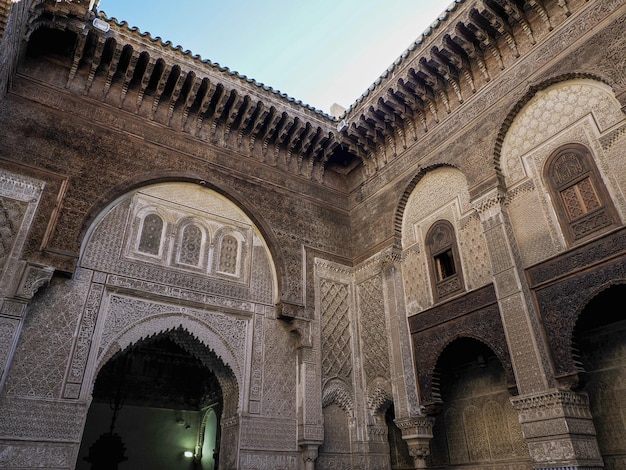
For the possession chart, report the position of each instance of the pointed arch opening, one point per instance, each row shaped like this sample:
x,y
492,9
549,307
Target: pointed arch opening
x,y
475,424
157,404
599,349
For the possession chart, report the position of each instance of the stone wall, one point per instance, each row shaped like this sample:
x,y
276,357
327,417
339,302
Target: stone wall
x,y
136,199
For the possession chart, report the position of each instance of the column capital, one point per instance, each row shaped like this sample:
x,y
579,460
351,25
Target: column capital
x,y
33,277
309,451
489,204
551,404
418,426
558,426
417,431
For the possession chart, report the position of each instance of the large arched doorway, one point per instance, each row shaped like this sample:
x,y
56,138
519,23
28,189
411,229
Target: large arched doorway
x,y
157,404
178,266
600,344
476,426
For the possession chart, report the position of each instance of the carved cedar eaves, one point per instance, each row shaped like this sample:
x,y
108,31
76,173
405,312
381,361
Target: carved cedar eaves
x,y
155,81
471,43
447,65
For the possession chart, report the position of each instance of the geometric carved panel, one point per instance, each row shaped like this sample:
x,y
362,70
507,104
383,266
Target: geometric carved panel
x,y
45,344
373,328
336,337
279,376
11,214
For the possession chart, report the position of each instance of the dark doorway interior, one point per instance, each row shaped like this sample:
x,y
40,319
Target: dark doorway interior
x,y
600,344
398,449
150,408
476,426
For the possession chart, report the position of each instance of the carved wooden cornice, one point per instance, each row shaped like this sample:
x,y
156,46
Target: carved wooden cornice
x,y
469,45
153,80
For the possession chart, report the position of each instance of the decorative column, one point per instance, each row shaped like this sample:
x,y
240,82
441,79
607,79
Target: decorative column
x,y
19,280
402,369
417,432
309,393
416,428
309,455
556,424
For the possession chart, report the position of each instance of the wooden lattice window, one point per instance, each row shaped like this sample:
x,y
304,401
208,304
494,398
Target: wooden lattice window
x,y
151,234
190,249
443,260
581,201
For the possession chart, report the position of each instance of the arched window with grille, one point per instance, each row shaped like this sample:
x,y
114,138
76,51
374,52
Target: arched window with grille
x,y
443,260
190,245
228,255
151,235
580,198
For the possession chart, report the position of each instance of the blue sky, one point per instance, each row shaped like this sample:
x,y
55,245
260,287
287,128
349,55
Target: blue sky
x,y
318,51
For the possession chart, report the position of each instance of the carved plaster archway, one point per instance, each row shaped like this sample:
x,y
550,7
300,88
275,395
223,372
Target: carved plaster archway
x,y
223,389
475,420
547,110
533,90
192,183
137,293
408,192
434,367
600,354
218,355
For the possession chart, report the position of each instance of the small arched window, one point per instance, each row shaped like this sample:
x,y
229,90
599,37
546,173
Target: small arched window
x,y
151,234
190,249
229,252
443,260
581,201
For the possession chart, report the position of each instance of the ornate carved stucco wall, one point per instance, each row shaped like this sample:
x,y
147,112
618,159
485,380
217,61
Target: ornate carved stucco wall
x,y
120,295
329,316
441,194
581,111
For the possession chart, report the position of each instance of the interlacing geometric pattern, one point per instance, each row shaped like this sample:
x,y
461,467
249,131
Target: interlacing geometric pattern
x,y
11,213
150,241
373,329
279,379
336,350
190,247
45,344
228,255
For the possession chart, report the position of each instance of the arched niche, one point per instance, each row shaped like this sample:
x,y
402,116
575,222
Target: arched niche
x,y
339,425
439,194
153,394
549,109
475,423
112,243
137,295
599,349
573,113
